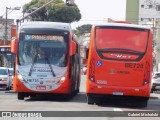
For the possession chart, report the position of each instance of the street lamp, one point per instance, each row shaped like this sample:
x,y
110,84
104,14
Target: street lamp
x,y
15,8
70,2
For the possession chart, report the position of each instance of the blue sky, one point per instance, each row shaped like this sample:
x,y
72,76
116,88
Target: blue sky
x,y
91,10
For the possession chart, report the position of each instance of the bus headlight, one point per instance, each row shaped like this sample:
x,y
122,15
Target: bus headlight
x,y
62,80
20,77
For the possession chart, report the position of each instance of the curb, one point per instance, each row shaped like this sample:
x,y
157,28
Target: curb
x,y
10,91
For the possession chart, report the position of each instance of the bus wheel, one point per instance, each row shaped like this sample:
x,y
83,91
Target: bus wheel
x,y
140,102
90,100
67,97
21,96
143,103
98,100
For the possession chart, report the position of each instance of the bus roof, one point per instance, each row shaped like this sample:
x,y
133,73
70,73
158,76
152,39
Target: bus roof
x,y
45,25
122,25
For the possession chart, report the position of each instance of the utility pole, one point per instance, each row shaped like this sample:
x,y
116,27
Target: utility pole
x,y
5,39
6,23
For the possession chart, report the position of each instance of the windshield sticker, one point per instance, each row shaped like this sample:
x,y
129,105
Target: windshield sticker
x,y
41,75
99,63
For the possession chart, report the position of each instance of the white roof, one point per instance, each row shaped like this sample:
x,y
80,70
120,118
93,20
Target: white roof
x,y
3,68
123,25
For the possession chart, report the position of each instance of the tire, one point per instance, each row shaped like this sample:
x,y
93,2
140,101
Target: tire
x,y
144,103
98,101
90,100
67,97
141,102
20,96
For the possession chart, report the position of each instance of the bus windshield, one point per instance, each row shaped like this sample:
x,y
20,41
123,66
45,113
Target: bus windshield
x,y
43,49
126,38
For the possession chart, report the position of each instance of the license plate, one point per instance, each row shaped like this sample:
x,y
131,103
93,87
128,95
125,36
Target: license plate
x,y
41,87
117,93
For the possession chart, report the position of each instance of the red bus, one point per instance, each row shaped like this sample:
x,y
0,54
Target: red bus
x,y
6,57
119,63
47,60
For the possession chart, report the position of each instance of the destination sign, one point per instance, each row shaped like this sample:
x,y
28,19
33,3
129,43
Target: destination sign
x,y
44,37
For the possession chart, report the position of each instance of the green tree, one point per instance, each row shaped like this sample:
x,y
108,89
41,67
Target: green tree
x,y
83,29
57,11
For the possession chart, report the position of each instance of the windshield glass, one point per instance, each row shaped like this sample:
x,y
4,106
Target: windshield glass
x,y
118,38
3,72
43,49
11,72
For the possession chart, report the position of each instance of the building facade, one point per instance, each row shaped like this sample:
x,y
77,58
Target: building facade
x,y
147,12
3,28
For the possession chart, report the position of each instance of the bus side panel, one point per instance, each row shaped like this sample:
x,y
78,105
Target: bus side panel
x,y
150,59
91,48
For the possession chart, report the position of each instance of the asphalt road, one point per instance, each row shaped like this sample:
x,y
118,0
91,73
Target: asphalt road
x,y
9,102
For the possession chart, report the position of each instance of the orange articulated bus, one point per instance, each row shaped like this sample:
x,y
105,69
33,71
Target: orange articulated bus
x,y
119,63
47,60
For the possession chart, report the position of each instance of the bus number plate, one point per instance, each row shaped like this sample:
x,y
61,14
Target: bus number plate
x,y
117,93
41,87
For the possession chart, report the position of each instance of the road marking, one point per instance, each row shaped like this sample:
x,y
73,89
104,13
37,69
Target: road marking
x,y
117,109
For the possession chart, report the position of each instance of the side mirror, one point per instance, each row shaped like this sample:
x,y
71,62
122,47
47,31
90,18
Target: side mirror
x,y
14,44
72,48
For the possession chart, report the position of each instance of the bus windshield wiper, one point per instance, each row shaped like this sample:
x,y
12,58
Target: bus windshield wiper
x,y
34,61
50,66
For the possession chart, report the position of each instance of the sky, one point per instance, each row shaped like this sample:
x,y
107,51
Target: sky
x,y
92,11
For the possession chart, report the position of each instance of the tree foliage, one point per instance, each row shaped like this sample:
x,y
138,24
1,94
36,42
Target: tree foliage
x,y
56,11
83,29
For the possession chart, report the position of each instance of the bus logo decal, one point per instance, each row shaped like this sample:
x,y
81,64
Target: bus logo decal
x,y
99,63
112,71
41,82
